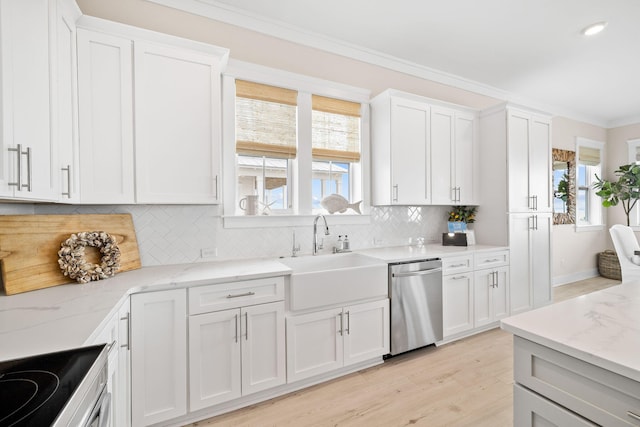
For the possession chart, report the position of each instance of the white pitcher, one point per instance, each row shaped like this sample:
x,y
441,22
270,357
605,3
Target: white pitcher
x,y
249,205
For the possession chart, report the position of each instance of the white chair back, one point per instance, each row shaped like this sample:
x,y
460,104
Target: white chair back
x,y
625,244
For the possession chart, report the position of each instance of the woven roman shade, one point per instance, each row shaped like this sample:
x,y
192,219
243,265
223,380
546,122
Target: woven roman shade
x,y
265,120
335,130
589,156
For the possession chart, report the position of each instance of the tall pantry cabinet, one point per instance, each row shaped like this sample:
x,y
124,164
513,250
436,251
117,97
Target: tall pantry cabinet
x,y
515,199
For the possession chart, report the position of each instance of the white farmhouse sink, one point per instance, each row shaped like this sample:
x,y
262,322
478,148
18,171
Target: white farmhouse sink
x,y
330,280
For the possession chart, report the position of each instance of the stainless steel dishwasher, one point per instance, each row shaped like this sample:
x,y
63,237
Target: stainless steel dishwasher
x,y
415,291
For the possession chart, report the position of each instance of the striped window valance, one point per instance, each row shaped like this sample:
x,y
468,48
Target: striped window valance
x,y
335,130
589,156
266,119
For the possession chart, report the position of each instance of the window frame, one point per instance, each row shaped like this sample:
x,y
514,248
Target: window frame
x,y
634,216
599,145
301,175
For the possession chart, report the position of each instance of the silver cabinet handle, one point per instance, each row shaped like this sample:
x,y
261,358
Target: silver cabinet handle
x,y
491,260
236,321
633,415
341,330
246,326
457,265
395,193
128,319
29,174
216,179
348,329
68,193
459,277
246,294
18,182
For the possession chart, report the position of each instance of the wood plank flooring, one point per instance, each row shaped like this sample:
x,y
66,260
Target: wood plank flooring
x,y
465,383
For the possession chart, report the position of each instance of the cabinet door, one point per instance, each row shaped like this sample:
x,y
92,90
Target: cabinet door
x,y
25,71
366,331
121,399
314,344
541,259
490,295
177,107
66,90
457,303
214,358
540,177
105,99
518,161
158,356
520,226
263,347
464,158
443,182
410,151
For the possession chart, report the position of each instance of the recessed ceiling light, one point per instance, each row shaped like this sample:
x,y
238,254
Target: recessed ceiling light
x,y
594,28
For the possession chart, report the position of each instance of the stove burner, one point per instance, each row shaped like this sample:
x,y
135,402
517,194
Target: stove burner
x,y
35,390
30,390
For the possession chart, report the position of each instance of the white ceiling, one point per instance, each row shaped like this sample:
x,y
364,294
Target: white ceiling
x,y
527,51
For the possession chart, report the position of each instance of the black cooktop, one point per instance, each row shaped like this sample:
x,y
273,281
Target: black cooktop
x,y
34,390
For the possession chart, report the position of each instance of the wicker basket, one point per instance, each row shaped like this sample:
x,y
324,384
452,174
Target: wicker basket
x,y
608,265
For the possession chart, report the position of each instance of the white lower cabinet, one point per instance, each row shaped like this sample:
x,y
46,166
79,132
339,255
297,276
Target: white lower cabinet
x,y
457,303
327,340
236,352
491,295
121,399
158,356
475,291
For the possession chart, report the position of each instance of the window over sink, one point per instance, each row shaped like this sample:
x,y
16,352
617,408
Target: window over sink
x,y
294,141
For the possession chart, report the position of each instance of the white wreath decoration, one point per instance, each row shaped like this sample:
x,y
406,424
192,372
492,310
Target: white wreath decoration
x,y
73,263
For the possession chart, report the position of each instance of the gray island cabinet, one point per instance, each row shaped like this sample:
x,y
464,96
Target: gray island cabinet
x,y
577,362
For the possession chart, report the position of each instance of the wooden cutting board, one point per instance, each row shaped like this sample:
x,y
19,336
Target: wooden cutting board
x,y
29,246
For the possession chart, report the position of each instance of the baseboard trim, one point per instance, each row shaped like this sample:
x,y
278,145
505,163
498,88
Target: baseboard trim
x,y
574,277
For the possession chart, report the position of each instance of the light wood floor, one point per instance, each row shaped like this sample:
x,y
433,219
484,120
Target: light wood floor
x,y
465,383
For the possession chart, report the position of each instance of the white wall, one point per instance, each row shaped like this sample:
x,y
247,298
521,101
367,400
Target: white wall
x,y
575,253
617,155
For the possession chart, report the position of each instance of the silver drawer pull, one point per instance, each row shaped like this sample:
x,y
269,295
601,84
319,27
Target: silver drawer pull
x,y
492,260
246,294
634,416
459,277
457,265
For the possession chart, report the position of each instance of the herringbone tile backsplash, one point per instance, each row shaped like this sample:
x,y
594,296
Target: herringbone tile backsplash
x,y
170,234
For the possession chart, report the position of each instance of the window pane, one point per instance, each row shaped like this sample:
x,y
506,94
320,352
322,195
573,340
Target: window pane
x,y
582,175
582,206
265,177
329,178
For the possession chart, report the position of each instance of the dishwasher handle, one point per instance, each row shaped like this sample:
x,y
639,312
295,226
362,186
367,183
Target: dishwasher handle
x,y
417,273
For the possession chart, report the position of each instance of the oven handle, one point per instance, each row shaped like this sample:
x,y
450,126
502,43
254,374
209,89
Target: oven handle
x,y
101,411
417,273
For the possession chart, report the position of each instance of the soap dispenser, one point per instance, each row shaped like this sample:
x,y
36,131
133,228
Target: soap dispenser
x,y
345,243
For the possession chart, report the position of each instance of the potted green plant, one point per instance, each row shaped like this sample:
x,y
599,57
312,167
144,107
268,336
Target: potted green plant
x,y
626,190
460,216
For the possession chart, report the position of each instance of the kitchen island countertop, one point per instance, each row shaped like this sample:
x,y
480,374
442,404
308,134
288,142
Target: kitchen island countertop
x,y
601,328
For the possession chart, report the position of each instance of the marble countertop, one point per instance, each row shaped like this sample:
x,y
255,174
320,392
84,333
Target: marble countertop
x,y
412,253
71,315
68,316
601,328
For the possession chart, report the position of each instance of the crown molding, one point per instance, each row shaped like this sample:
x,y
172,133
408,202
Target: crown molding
x,y
223,12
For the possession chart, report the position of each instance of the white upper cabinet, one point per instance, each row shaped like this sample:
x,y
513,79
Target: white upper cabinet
x,y
400,151
106,117
28,157
177,130
172,88
452,156
66,92
423,151
529,159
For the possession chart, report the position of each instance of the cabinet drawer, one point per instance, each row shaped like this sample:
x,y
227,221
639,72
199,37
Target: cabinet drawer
x,y
222,296
459,264
532,410
602,396
491,259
